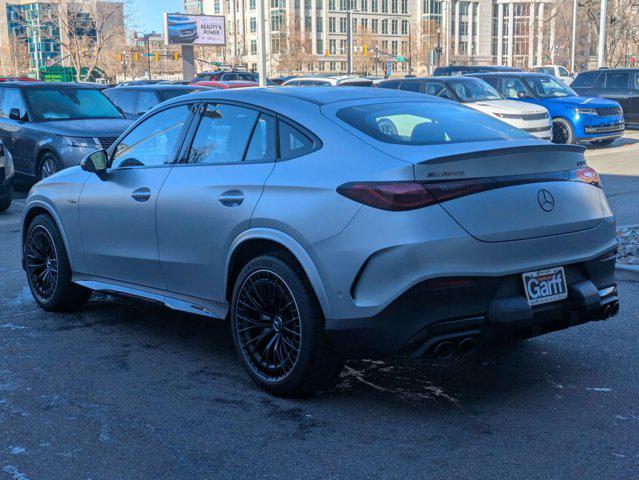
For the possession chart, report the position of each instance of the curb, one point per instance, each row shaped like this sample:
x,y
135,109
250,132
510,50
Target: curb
x,y
626,227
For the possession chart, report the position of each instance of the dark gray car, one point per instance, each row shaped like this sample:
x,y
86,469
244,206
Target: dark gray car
x,y
50,126
134,101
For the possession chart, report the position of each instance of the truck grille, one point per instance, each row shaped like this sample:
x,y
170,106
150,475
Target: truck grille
x,y
617,127
106,142
608,111
535,116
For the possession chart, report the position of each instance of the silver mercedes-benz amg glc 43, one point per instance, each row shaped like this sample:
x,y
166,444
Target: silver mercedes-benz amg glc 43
x,y
328,224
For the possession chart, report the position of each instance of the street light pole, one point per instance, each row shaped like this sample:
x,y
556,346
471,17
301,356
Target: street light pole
x,y
261,43
446,25
601,57
410,49
574,36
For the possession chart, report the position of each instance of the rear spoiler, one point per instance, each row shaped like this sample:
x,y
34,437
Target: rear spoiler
x,y
502,151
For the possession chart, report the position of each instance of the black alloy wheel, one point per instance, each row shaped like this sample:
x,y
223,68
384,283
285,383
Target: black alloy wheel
x,y
48,166
561,132
42,263
268,326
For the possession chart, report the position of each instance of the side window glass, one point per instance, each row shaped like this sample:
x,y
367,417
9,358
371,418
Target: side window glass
x,y
617,80
293,143
12,99
411,86
222,134
635,81
390,84
493,82
586,79
153,142
432,88
146,102
563,72
126,101
513,88
262,145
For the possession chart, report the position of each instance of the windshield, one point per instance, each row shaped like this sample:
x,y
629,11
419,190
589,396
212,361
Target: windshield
x,y
545,86
69,104
474,90
426,123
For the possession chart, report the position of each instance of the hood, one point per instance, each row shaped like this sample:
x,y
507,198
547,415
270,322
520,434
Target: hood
x,y
506,106
592,102
90,127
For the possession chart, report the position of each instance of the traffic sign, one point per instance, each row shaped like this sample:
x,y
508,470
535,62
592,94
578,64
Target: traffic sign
x,y
400,59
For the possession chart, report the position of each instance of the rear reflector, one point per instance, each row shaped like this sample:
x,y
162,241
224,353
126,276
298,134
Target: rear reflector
x,y
401,196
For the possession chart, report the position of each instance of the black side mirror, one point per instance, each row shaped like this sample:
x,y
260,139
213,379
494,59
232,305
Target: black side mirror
x,y
16,114
96,162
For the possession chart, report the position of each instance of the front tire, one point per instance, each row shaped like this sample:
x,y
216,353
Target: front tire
x,y
49,270
47,166
562,131
278,329
5,202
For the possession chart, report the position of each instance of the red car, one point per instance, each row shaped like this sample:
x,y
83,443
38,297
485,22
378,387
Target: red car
x,y
228,84
17,79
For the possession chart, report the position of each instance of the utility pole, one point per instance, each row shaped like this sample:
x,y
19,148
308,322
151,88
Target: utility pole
x,y
574,36
148,53
410,49
261,43
446,26
601,57
349,40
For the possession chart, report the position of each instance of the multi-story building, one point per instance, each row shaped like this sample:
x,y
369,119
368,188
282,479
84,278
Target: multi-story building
x,y
428,32
36,24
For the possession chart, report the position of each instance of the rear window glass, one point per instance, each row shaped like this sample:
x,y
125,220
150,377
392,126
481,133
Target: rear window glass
x,y
425,123
586,79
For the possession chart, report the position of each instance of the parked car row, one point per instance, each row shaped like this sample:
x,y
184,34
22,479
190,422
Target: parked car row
x,y
324,223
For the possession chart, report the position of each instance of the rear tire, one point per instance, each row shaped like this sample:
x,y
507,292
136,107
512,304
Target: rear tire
x,y
5,202
562,131
278,329
48,268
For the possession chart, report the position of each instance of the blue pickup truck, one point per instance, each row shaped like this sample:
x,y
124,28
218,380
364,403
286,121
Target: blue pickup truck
x,y
575,119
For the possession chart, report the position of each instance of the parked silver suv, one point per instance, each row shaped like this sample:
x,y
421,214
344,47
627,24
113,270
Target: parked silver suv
x,y
330,223
50,126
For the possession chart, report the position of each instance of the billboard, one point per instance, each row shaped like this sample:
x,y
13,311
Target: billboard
x,y
187,29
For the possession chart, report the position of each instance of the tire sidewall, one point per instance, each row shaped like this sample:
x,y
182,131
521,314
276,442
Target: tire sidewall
x,y
571,134
311,322
43,221
45,156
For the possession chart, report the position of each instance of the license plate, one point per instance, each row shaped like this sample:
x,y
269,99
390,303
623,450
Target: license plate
x,y
545,286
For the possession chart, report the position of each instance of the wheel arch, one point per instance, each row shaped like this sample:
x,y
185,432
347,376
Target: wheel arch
x,y
32,210
262,240
44,149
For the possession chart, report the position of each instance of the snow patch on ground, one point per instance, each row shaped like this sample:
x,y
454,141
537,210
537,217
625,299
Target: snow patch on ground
x,y
628,252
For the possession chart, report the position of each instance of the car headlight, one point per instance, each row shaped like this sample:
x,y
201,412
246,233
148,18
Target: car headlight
x,y
81,142
6,162
586,111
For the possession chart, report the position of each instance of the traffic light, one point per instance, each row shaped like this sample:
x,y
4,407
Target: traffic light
x,y
365,49
327,53
136,57
157,56
176,56
120,57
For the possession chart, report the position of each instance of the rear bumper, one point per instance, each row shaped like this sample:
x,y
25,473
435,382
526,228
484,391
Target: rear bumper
x,y
491,309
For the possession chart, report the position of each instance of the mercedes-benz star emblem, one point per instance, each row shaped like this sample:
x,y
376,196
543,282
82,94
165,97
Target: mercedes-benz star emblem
x,y
546,200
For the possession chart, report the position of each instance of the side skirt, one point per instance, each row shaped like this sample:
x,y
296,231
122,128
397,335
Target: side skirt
x,y
174,301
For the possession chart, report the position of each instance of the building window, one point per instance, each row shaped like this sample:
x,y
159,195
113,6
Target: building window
x,y
385,27
342,47
384,6
253,47
375,6
394,25
404,6
394,6
342,25
252,25
332,46
375,25
405,25
331,24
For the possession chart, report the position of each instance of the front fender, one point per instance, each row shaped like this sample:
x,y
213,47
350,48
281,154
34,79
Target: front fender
x,y
293,246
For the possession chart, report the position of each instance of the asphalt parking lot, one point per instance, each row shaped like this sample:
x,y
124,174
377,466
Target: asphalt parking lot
x,y
126,390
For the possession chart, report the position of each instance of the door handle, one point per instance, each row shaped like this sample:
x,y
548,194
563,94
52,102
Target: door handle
x,y
231,198
141,194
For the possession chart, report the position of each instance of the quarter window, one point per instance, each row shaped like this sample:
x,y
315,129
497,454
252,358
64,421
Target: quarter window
x,y
262,145
293,143
222,134
154,142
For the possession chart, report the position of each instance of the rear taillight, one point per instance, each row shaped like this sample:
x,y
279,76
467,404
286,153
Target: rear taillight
x,y
400,196
394,196
586,175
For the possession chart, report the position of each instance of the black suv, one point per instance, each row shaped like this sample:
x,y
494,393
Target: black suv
x,y
6,179
619,84
134,101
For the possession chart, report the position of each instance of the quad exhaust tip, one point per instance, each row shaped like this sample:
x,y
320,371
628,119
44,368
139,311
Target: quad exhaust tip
x,y
447,348
610,310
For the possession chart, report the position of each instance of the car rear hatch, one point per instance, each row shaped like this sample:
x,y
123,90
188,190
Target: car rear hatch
x,y
515,193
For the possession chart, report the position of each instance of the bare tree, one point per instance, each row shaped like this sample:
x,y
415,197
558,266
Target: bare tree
x,y
296,49
424,42
87,31
14,56
364,44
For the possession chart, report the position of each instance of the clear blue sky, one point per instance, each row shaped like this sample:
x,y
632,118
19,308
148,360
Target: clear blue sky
x,y
149,13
